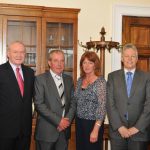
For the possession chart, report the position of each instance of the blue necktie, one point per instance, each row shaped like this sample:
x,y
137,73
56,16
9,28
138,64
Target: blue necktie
x,y
129,82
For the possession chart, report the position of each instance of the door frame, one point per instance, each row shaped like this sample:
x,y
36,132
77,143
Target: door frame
x,y
118,12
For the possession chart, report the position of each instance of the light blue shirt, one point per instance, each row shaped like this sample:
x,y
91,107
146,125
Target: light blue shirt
x,y
125,72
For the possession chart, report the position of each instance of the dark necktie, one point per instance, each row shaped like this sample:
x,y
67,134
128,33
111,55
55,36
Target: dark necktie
x,y
129,82
20,81
61,90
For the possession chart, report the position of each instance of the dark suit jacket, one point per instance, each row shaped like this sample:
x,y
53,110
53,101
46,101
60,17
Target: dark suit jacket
x,y
49,107
15,110
137,105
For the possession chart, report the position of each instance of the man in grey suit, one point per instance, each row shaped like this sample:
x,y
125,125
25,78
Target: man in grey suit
x,y
128,104
54,104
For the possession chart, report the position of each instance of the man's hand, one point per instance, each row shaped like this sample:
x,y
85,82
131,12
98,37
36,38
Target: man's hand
x,y
133,131
124,132
64,123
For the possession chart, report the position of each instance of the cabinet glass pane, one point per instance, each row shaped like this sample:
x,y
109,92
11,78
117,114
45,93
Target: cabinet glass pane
x,y
30,56
24,31
60,36
66,36
52,34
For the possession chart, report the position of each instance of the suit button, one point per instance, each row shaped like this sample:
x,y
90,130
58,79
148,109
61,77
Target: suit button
x,y
128,103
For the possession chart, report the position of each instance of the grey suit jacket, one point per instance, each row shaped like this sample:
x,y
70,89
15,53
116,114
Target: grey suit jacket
x,y
137,105
49,107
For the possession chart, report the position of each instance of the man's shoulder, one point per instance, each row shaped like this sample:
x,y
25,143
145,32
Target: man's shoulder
x,y
143,73
67,76
4,66
27,68
43,75
116,72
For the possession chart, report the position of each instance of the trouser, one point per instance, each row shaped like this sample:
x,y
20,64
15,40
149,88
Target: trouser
x,y
17,143
60,144
128,144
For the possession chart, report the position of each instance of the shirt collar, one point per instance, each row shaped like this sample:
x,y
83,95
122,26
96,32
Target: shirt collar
x,y
125,71
14,66
54,74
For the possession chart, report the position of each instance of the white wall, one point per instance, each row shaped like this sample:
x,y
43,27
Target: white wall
x,y
93,15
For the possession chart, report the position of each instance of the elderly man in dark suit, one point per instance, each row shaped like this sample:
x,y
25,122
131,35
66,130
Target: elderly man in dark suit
x,y
16,92
128,104
54,104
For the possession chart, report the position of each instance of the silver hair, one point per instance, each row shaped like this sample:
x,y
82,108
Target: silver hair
x,y
54,51
128,46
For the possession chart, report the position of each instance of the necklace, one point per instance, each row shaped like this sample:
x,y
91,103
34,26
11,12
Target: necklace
x,y
87,81
91,79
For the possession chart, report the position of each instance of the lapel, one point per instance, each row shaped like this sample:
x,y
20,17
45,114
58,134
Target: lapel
x,y
122,83
12,78
26,79
65,87
52,85
135,82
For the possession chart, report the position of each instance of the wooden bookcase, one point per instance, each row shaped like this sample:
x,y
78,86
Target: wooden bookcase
x,y
41,29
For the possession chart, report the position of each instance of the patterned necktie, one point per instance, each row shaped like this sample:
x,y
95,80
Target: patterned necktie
x,y
129,82
20,81
61,90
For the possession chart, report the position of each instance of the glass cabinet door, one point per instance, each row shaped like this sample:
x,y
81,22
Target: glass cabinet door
x,y
60,36
24,30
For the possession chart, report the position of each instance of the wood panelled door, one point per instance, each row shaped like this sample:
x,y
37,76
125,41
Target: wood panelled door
x,y
136,30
